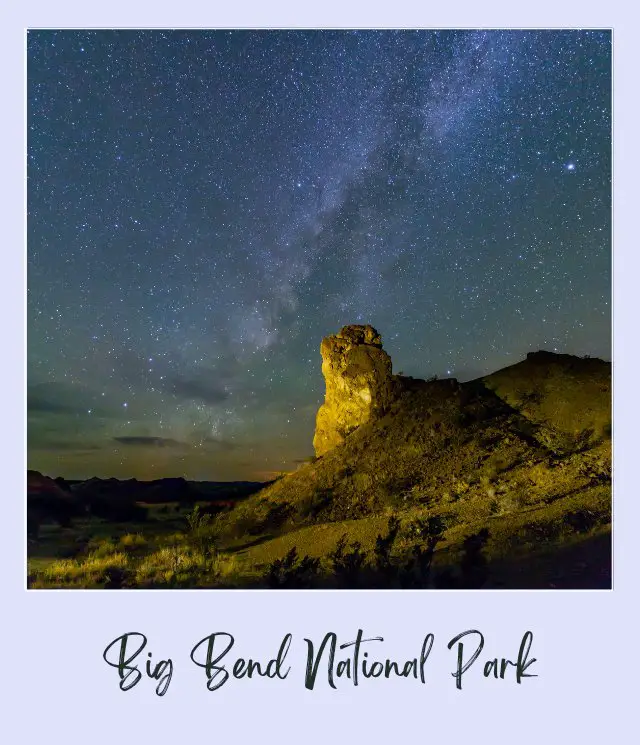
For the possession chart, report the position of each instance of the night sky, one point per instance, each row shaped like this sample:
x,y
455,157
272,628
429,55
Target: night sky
x,y
205,206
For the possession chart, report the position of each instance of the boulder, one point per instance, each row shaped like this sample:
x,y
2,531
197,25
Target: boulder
x,y
359,384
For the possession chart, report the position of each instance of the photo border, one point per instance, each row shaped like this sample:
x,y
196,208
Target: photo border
x,y
579,634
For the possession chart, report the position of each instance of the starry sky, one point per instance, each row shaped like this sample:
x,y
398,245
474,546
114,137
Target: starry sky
x,y
205,206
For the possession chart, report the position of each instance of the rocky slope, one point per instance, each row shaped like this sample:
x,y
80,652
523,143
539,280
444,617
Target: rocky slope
x,y
515,466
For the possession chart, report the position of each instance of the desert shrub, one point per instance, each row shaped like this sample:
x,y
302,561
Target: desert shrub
x,y
292,571
199,537
347,562
196,520
427,533
384,546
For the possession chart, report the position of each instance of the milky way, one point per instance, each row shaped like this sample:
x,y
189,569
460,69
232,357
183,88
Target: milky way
x,y
205,206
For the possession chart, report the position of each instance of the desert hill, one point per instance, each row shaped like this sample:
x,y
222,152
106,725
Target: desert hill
x,y
521,458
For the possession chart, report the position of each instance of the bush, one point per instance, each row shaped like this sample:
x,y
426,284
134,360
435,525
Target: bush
x,y
291,571
199,539
429,533
384,545
347,565
197,521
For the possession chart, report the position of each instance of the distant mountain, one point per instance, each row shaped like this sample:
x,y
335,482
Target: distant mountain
x,y
160,491
58,500
48,500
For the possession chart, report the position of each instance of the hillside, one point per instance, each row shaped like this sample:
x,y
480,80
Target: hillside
x,y
521,458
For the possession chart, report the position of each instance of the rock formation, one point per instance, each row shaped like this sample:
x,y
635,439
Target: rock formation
x,y
359,384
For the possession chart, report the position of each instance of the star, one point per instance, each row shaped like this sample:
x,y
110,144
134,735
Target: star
x,y
197,226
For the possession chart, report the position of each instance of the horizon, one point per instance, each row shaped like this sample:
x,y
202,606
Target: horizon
x,y
205,206
263,476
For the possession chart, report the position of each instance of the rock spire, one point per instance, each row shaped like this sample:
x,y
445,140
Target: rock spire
x,y
359,384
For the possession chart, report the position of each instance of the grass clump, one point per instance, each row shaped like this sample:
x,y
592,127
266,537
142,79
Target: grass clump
x,y
92,570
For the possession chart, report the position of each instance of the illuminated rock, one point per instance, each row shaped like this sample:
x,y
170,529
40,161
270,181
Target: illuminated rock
x,y
359,384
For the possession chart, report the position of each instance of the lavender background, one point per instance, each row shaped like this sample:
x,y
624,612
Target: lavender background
x,y
55,684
